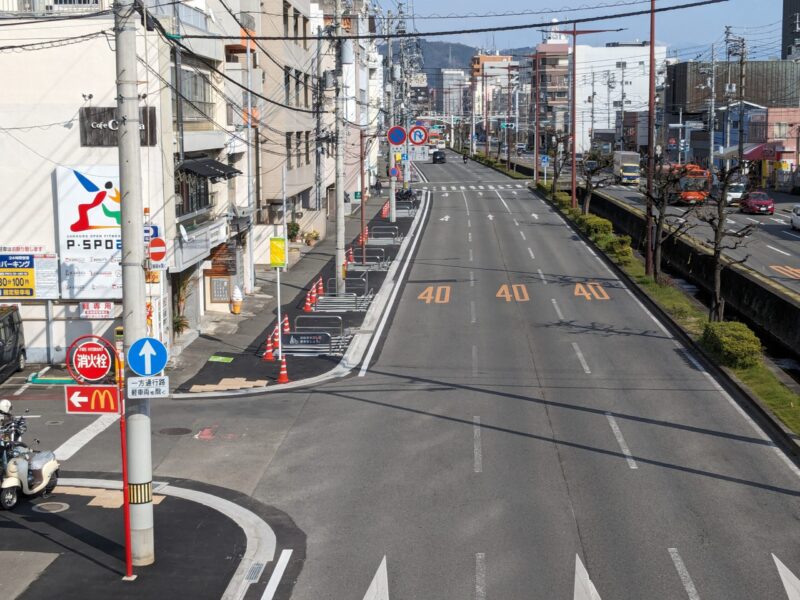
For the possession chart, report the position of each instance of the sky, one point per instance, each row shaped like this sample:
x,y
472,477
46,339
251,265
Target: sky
x,y
682,29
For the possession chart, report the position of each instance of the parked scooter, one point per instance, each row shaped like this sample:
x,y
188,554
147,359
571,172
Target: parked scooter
x,y
25,470
465,159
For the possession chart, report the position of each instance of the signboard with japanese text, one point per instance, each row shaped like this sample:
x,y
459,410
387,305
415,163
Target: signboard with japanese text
x,y
97,310
277,252
91,360
419,153
31,276
148,387
89,233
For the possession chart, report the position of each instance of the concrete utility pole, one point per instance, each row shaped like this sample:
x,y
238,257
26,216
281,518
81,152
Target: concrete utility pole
x,y
178,83
485,112
508,119
318,104
711,108
622,108
591,127
651,141
339,136
535,106
392,122
251,276
137,410
610,85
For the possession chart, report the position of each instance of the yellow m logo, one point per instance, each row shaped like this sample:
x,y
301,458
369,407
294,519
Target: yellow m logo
x,y
98,400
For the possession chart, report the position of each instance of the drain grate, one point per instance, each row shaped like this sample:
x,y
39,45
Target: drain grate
x,y
255,572
175,431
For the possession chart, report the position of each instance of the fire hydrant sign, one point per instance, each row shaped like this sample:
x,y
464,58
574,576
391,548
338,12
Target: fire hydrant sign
x,y
148,387
91,361
91,399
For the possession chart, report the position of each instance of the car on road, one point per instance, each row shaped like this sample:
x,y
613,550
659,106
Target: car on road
x,y
439,157
12,342
796,216
736,190
757,202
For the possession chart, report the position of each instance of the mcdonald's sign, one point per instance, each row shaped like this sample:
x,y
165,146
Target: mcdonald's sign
x,y
91,399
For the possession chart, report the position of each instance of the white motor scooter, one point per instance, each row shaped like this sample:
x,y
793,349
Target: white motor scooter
x,y
24,470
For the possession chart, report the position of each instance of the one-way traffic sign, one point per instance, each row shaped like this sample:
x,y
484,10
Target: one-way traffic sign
x,y
147,356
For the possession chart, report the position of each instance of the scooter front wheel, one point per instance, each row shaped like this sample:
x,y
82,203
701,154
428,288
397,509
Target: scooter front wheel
x,y
51,485
8,498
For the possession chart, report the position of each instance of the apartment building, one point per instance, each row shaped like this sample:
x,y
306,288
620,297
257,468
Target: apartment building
x,y
551,74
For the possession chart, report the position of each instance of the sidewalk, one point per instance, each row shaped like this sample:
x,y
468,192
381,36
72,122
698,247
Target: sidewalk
x,y
230,357
71,545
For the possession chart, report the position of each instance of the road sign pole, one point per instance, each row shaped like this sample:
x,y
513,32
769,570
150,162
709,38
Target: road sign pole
x,y
139,461
123,442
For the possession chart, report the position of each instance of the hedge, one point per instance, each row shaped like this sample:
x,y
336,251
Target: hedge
x,y
733,343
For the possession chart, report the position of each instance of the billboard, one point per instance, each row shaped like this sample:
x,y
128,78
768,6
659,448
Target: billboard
x,y
89,233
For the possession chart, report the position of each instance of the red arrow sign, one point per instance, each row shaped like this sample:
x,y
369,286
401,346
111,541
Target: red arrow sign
x,y
157,249
91,399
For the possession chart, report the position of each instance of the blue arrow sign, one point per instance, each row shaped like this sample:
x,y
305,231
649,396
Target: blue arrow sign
x,y
544,159
147,356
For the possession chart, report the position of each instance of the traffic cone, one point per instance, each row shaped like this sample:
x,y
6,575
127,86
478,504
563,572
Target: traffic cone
x,y
349,256
269,355
283,376
286,328
313,295
385,211
320,288
307,308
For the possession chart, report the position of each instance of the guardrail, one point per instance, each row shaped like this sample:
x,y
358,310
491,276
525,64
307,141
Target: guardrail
x,y
384,235
369,259
329,324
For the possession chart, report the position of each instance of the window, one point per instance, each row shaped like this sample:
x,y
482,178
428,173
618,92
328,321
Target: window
x,y
298,83
308,147
296,24
196,92
289,151
191,194
305,33
287,85
286,8
780,130
306,86
299,147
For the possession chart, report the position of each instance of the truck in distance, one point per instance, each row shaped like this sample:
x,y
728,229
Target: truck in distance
x,y
626,167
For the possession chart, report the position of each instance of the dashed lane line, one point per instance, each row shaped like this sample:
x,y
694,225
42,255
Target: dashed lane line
x,y
553,300
533,256
683,573
621,441
778,250
522,233
581,358
477,451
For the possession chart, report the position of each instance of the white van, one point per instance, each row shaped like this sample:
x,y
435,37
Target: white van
x,y
796,216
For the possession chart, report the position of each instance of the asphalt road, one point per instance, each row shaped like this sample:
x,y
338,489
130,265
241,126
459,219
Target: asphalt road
x,y
773,248
515,418
492,441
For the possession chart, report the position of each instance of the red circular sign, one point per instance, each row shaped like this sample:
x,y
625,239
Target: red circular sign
x,y
158,249
91,360
418,136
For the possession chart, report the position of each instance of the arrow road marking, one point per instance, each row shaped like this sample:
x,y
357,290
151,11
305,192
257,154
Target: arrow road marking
x,y
78,400
789,580
445,218
379,588
147,352
535,216
490,217
584,588
686,579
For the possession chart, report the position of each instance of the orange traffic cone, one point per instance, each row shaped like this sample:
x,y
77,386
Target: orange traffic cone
x,y
269,355
320,288
286,328
283,376
307,308
349,256
313,295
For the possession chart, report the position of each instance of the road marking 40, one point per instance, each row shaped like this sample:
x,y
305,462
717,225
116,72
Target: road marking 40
x,y
519,291
591,291
438,295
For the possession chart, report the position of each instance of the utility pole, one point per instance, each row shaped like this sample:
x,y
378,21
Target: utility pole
x,y
610,85
651,140
622,108
318,103
251,276
340,141
485,113
711,108
392,122
508,118
591,127
137,410
363,197
535,109
178,83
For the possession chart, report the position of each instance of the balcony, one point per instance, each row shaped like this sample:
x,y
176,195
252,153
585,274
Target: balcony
x,y
247,30
188,15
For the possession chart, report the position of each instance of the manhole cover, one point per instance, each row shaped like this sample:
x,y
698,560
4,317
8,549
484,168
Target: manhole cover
x,y
50,507
54,422
175,431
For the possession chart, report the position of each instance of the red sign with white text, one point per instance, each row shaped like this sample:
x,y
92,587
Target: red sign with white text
x,y
92,361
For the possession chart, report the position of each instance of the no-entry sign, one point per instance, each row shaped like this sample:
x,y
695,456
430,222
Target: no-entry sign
x,y
91,360
158,249
91,399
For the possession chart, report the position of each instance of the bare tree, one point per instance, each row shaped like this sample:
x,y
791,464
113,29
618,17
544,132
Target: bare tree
x,y
558,163
667,187
723,239
596,175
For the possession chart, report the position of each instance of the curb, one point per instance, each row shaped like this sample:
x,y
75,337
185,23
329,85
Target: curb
x,y
358,346
785,439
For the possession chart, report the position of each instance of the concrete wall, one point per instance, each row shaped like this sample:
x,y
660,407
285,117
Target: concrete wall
x,y
768,308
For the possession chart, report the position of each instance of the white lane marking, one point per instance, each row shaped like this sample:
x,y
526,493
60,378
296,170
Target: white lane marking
x,y
69,448
480,576
471,279
453,188
686,579
581,358
778,250
730,221
781,221
621,441
789,579
791,234
522,234
277,575
555,305
480,194
444,188
516,223
474,361
519,186
752,220
535,216
480,187
477,452
379,588
474,316
22,388
531,253
515,193
463,187
387,309
583,588
490,217
541,276
508,210
469,222
491,187
465,202
472,187
445,218
470,255
469,237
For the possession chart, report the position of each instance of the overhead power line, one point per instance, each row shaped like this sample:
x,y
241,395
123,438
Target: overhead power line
x,y
415,34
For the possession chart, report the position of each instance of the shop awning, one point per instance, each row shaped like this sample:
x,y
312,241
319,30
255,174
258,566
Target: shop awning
x,y
209,168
